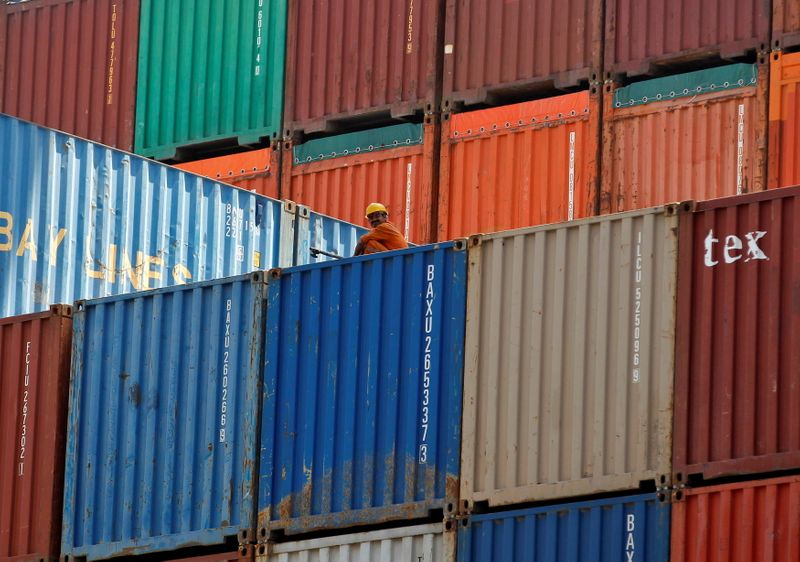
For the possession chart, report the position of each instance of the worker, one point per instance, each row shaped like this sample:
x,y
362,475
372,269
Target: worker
x,y
384,235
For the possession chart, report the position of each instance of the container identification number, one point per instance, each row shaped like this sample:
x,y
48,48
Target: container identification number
x,y
637,309
426,364
259,38
226,355
23,438
630,547
111,52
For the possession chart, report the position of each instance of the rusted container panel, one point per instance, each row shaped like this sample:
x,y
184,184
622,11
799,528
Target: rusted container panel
x,y
519,165
784,120
785,23
738,371
747,522
645,36
698,135
256,170
501,50
342,175
351,60
569,358
244,554
71,65
434,542
34,384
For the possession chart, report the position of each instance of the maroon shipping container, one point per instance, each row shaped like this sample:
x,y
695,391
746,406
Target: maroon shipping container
x,y
359,60
34,385
785,23
643,36
737,387
756,521
71,65
246,553
497,51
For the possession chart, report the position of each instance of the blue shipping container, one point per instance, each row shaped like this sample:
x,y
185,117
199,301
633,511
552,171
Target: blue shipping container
x,y
80,220
163,418
362,389
624,529
316,231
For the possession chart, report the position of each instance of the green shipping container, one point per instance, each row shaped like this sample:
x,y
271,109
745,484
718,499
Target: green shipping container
x,y
209,71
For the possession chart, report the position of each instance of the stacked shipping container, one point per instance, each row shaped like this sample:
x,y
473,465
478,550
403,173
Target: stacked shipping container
x,y
256,170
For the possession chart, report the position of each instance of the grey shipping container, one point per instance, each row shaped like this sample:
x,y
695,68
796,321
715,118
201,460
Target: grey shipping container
x,y
569,358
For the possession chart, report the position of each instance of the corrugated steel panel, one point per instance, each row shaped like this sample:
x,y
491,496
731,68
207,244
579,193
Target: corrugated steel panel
x,y
315,231
256,170
420,543
785,23
209,71
746,522
362,405
677,146
784,119
34,378
570,358
350,60
79,220
738,371
71,65
645,36
244,554
609,530
401,176
163,419
499,50
519,165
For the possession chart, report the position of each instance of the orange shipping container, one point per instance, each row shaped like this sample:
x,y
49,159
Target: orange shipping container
x,y
256,170
757,521
339,176
519,165
699,135
784,120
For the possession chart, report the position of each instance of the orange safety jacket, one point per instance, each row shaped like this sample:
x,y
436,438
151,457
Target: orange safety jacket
x,y
382,238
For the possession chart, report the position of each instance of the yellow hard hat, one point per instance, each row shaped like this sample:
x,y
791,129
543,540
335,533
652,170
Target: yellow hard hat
x,y
374,208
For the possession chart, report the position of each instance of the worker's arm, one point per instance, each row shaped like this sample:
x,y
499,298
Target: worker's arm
x,y
359,251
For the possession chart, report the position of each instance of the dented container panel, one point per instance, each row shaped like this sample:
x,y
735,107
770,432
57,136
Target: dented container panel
x,y
209,72
751,521
609,530
690,136
645,36
362,402
317,233
784,119
34,378
419,543
255,170
498,50
163,418
71,65
395,169
80,220
520,165
350,60
738,372
570,358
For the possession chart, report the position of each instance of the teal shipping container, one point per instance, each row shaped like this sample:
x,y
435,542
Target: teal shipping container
x,y
209,72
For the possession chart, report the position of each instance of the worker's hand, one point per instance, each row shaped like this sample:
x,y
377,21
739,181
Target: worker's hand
x,y
359,251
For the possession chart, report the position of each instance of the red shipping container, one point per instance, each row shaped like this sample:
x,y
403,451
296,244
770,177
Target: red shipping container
x,y
492,52
256,170
519,165
784,119
698,135
357,60
391,165
737,386
645,36
71,65
757,521
34,386
785,23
